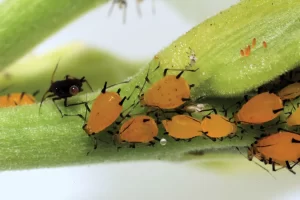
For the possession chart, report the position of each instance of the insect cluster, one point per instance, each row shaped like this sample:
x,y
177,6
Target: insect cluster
x,y
167,103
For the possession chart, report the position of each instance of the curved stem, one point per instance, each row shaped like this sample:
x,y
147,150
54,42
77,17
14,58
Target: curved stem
x,y
30,140
25,23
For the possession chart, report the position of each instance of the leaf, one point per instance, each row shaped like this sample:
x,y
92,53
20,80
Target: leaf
x,y
217,43
26,23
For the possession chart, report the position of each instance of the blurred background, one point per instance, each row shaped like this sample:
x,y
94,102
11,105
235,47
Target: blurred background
x,y
95,40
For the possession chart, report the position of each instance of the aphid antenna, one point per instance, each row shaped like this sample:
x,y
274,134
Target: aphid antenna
x,y
51,82
113,85
35,93
256,163
181,71
55,69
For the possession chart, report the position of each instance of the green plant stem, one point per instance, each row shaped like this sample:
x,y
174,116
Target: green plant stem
x,y
29,140
25,23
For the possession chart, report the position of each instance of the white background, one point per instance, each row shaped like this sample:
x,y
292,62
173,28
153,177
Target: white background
x,y
140,39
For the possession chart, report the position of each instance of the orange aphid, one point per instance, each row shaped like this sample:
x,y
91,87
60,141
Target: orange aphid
x,y
169,92
247,50
294,118
138,129
217,126
253,42
265,44
15,99
105,110
182,127
290,92
259,109
277,149
242,52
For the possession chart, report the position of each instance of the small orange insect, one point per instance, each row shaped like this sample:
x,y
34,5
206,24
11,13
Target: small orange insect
x,y
294,118
247,50
182,127
217,126
242,52
138,129
265,44
15,99
253,43
277,149
169,92
261,108
106,109
290,92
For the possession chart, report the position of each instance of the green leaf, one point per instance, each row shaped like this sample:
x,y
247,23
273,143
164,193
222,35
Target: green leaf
x,y
26,23
196,11
217,43
76,60
30,140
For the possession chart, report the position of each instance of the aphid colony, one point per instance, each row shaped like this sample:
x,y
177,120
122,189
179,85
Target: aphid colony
x,y
167,103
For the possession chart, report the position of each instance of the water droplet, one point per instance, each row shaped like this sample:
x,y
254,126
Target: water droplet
x,y
163,141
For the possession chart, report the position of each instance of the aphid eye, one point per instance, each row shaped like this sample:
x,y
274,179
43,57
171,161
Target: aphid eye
x,y
74,90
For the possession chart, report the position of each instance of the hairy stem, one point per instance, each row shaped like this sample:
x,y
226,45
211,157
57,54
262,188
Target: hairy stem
x,y
29,140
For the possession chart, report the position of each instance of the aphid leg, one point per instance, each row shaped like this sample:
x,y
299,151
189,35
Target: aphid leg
x,y
157,139
83,80
78,115
35,93
151,144
2,90
186,99
205,134
210,109
74,104
180,73
132,145
282,129
95,143
232,135
296,163
289,167
55,99
278,110
15,103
